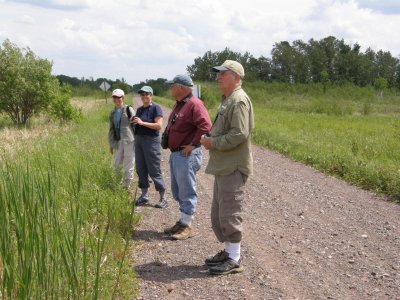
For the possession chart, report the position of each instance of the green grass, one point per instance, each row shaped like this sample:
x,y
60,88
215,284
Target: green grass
x,y
362,150
66,224
164,101
309,98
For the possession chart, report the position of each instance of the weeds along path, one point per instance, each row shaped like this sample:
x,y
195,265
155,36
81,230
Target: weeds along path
x,y
307,236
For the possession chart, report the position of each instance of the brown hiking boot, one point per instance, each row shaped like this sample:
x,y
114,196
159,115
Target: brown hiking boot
x,y
174,229
183,233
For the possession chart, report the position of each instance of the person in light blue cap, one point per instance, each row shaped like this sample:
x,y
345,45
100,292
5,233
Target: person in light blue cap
x,y
148,123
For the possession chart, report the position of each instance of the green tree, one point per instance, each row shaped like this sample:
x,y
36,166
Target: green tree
x,y
368,70
324,79
283,62
317,60
201,70
301,69
158,85
386,66
380,84
264,65
121,84
26,83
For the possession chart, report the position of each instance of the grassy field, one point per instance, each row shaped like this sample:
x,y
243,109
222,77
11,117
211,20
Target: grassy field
x,y
349,132
66,225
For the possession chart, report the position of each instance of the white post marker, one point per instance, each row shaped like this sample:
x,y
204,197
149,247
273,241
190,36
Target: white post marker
x,y
197,90
104,86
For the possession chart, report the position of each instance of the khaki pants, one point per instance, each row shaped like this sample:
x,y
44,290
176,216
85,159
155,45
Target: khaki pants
x,y
124,157
226,209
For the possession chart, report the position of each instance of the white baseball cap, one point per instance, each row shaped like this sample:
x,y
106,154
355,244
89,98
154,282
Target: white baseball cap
x,y
118,93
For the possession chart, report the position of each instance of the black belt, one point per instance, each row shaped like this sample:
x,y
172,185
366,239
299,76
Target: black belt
x,y
181,147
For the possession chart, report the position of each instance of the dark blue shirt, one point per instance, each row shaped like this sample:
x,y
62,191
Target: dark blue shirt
x,y
148,114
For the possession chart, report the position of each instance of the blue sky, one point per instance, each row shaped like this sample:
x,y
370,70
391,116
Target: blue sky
x,y
149,39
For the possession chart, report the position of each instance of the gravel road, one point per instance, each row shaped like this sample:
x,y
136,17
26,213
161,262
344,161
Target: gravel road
x,y
307,235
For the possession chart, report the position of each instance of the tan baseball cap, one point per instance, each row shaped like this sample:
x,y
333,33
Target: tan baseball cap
x,y
231,65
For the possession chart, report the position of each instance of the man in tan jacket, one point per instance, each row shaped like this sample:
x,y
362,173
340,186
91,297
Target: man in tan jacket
x,y
231,163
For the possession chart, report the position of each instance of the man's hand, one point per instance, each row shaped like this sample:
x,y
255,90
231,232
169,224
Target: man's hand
x,y
206,141
111,151
186,150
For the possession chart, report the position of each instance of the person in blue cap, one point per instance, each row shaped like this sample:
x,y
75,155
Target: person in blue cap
x,y
188,121
148,123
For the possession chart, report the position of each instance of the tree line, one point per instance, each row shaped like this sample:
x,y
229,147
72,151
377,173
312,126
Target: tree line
x,y
89,84
27,86
316,61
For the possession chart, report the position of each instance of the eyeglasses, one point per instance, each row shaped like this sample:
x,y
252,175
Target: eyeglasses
x,y
117,97
224,73
144,94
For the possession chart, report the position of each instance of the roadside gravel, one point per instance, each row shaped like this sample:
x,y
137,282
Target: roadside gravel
x,y
307,235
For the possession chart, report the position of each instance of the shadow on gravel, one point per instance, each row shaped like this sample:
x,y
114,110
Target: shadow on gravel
x,y
161,272
148,235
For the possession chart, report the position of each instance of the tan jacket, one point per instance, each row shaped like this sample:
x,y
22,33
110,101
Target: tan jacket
x,y
231,134
125,130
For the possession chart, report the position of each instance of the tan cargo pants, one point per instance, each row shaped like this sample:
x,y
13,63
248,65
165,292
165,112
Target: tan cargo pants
x,y
227,206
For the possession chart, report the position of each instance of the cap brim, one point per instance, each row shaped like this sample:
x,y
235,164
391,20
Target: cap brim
x,y
219,68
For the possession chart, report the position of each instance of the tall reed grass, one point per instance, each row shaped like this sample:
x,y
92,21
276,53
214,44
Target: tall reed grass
x,y
65,223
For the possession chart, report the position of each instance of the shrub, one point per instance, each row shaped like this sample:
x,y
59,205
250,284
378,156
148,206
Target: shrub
x,y
26,83
61,107
209,96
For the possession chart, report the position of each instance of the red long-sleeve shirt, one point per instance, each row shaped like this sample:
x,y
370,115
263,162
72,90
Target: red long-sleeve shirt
x,y
192,121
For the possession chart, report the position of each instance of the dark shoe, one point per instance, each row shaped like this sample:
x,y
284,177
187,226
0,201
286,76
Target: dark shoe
x,y
174,229
217,259
183,233
162,203
227,267
142,200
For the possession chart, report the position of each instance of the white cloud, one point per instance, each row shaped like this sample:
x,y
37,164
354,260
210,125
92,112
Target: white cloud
x,y
58,4
143,39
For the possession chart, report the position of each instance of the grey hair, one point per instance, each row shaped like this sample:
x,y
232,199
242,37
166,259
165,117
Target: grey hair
x,y
184,86
240,80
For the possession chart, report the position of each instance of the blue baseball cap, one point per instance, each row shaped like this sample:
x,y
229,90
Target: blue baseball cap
x,y
181,79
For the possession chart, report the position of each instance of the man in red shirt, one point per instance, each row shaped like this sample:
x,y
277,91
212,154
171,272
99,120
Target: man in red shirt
x,y
188,121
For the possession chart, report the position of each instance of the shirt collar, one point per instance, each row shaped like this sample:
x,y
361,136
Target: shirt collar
x,y
185,99
236,89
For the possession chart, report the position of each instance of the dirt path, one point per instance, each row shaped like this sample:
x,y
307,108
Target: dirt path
x,y
307,236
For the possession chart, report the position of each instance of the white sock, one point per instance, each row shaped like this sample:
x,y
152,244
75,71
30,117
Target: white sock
x,y
186,219
233,250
